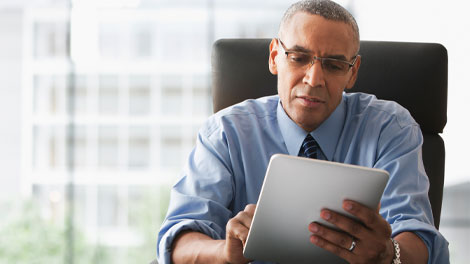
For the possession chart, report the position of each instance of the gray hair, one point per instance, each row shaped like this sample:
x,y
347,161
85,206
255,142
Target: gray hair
x,y
325,8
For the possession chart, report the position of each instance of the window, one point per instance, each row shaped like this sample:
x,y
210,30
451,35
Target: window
x,y
139,95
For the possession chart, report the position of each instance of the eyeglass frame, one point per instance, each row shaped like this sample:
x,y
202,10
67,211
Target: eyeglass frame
x,y
321,59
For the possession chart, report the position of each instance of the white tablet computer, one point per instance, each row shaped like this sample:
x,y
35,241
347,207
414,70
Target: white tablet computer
x,y
294,191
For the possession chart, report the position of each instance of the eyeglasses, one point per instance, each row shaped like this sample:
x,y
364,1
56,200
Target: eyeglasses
x,y
299,60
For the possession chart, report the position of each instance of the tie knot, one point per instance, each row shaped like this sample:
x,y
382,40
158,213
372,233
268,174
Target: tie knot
x,y
309,148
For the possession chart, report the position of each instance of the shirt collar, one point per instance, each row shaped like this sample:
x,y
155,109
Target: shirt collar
x,y
327,134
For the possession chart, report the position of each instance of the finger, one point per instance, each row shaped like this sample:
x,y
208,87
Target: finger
x,y
239,226
369,217
235,242
236,229
250,209
345,223
338,251
245,217
340,239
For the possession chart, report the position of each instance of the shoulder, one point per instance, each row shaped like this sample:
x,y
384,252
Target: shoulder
x,y
249,112
261,107
368,107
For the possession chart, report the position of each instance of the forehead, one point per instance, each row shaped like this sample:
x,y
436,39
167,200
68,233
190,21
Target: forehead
x,y
319,35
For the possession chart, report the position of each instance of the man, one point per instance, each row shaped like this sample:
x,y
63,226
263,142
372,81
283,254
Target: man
x,y
315,58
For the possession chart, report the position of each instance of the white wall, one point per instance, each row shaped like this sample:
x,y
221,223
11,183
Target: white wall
x,y
10,102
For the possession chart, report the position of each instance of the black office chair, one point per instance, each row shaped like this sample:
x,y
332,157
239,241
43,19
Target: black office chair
x,y
412,74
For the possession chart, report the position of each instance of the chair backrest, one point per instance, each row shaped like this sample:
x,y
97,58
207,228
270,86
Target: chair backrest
x,y
412,74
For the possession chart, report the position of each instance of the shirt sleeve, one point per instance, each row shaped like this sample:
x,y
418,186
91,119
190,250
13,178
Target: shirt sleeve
x,y
405,203
201,197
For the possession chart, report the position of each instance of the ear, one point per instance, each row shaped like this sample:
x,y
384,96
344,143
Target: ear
x,y
355,70
272,56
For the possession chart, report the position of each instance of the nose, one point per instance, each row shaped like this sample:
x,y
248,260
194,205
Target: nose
x,y
314,74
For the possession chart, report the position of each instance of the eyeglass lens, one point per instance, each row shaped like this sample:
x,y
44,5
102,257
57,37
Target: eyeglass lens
x,y
332,66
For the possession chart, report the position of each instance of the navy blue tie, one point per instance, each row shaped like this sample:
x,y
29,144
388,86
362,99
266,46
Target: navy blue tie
x,y
309,148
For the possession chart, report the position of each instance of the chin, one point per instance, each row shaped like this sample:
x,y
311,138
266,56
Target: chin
x,y
308,125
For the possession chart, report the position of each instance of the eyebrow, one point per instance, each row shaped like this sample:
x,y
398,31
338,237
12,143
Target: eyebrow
x,y
338,57
306,51
301,49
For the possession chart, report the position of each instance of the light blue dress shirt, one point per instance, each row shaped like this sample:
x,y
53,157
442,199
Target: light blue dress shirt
x,y
225,171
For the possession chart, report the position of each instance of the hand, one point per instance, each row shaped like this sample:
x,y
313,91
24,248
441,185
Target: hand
x,y
372,237
237,233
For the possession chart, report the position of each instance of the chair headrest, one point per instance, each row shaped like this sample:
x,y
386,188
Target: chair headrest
x,y
412,74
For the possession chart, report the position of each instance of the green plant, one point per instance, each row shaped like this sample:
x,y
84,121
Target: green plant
x,y
26,237
29,238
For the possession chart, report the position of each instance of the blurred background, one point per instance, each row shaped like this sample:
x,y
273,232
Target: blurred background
x,y
101,100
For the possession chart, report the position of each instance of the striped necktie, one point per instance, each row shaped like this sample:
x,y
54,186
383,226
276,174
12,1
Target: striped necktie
x,y
310,148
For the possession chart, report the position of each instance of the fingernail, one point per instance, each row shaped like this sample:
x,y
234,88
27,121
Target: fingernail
x,y
326,215
314,229
348,206
314,239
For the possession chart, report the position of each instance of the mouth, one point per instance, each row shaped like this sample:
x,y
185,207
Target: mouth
x,y
309,102
314,100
